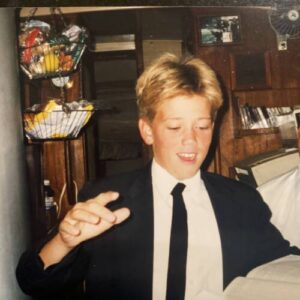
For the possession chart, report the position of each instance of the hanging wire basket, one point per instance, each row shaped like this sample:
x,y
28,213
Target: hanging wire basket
x,y
51,60
45,51
56,121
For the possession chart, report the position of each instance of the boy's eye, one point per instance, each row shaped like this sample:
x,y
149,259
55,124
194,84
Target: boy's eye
x,y
173,127
204,125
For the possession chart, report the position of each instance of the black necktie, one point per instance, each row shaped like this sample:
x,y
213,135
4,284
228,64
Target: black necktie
x,y
178,247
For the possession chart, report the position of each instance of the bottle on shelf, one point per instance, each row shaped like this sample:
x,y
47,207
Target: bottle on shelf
x,y
50,205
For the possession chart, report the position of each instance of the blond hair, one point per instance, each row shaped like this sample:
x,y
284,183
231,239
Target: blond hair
x,y
170,76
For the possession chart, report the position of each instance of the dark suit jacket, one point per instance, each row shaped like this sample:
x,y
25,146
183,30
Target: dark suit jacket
x,y
118,264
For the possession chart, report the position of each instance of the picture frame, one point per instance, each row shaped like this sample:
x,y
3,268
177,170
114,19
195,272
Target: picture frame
x,y
219,30
250,70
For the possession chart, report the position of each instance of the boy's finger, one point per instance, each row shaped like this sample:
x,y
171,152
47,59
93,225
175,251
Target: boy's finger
x,y
107,197
92,212
121,214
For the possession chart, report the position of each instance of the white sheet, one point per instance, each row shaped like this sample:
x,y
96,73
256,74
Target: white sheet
x,y
282,194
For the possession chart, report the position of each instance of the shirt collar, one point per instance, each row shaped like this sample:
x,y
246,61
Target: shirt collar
x,y
164,182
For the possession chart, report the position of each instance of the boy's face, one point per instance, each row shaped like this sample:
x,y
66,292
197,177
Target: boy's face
x,y
180,134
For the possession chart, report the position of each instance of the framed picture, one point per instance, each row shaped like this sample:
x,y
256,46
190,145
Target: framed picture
x,y
219,30
250,70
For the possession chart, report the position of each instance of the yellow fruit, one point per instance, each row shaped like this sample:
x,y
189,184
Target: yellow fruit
x,y
56,62
51,62
47,62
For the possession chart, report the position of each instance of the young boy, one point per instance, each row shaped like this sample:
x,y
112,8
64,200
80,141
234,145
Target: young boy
x,y
120,239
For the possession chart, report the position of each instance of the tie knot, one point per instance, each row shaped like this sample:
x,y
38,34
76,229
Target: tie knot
x,y
178,189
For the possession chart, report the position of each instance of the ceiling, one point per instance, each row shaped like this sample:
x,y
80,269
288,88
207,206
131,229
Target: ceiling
x,y
71,6
103,3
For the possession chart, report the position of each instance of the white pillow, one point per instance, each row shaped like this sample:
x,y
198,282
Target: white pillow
x,y
282,194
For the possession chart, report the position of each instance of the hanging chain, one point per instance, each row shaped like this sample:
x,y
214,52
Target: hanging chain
x,y
62,91
32,12
53,21
56,11
62,19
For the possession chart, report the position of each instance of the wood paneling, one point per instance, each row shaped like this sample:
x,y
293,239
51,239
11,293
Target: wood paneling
x,y
283,82
37,211
54,169
270,98
62,162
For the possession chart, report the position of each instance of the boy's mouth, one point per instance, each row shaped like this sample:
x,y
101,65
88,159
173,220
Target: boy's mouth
x,y
187,156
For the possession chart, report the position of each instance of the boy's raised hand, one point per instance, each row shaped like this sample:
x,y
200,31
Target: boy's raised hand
x,y
91,218
84,221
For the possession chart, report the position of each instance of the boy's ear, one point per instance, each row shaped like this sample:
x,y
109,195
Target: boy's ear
x,y
146,131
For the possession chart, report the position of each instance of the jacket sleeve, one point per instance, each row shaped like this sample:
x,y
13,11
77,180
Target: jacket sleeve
x,y
59,278
261,242
248,237
55,280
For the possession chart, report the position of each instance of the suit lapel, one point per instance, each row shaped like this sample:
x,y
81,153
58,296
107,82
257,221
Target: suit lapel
x,y
137,255
224,212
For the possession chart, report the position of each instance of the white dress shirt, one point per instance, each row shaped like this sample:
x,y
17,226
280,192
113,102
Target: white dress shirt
x,y
204,272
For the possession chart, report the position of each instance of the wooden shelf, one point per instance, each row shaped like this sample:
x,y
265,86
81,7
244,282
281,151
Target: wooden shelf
x,y
266,98
114,55
239,133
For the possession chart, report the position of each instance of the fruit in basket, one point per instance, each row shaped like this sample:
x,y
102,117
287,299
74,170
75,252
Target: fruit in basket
x,y
26,56
33,32
51,62
31,38
51,121
37,68
66,62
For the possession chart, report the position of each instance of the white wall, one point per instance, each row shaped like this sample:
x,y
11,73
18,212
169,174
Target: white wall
x,y
13,206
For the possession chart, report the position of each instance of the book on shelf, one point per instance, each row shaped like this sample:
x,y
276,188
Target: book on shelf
x,y
263,120
268,117
256,117
276,280
261,168
245,118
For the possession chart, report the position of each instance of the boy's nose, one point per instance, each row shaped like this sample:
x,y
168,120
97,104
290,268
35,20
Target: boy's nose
x,y
189,136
